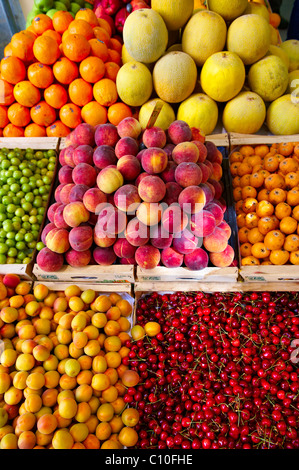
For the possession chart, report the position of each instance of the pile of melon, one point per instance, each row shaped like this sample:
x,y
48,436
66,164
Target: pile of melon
x,y
222,64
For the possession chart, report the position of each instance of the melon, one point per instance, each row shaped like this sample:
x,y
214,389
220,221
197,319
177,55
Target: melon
x,y
199,110
254,8
279,52
134,83
293,85
283,115
174,76
244,114
291,48
175,14
145,35
268,77
228,9
165,117
249,36
175,47
203,35
222,76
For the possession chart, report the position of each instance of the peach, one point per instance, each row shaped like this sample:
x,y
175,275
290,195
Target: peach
x,y
154,137
109,180
75,213
81,238
217,186
127,198
147,256
136,233
46,230
217,171
92,198
84,134
126,146
58,217
210,166
123,249
167,175
202,224
205,171
192,199
203,152
222,203
168,149
140,177
102,238
188,174
185,242
70,139
196,260
68,156
149,213
104,256
49,261
111,220
57,192
85,174
185,152
208,189
173,191
154,160
160,237
174,219
171,258
224,258
64,194
78,192
129,127
211,151
216,242
179,131
216,210
61,156
106,134
57,240
224,225
103,156
83,154
128,261
151,189
140,153
129,166
65,174
197,134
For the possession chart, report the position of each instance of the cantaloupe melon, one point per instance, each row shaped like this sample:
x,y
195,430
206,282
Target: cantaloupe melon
x,y
134,83
199,110
283,115
291,48
257,9
279,52
244,114
165,117
228,9
268,77
174,13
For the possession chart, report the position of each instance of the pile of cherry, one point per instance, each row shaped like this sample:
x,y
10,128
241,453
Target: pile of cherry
x,y
221,374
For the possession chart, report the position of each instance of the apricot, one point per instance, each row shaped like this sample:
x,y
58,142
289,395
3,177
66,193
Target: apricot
x,y
130,417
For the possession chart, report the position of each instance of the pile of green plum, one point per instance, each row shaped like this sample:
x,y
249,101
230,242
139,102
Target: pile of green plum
x,y
25,182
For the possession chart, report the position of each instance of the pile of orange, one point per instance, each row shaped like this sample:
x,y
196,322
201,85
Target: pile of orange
x,y
58,73
266,193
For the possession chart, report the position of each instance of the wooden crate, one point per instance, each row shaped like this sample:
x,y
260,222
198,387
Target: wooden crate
x,y
25,271
120,274
236,139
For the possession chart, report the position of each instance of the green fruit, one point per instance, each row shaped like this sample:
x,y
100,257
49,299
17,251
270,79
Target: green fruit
x,y
51,13
80,2
43,5
74,8
88,5
60,6
67,3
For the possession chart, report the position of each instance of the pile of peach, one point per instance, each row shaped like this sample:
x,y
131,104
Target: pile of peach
x,y
58,73
266,194
132,197
62,376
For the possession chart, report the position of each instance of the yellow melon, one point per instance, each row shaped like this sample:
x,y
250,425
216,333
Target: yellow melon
x,y
174,76
204,34
228,9
279,52
249,36
244,114
165,117
175,14
291,48
134,83
268,77
283,115
199,110
257,9
222,76
145,35
274,35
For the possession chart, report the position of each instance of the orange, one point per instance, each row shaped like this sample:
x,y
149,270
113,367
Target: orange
x,y
65,71
251,220
274,181
114,56
40,75
264,208
249,205
261,150
34,130
70,115
13,131
263,195
279,257
245,249
61,21
283,210
294,257
254,160
250,261
288,225
295,213
104,24
291,242
54,35
293,197
58,129
26,93
274,19
236,157
81,27
274,240
41,23
296,150
260,251
291,179
241,219
285,148
246,150
3,116
237,193
80,92
94,113
43,114
87,15
115,44
12,69
277,195
46,50
239,206
245,180
76,47
102,34
248,191
6,93
99,49
266,224
22,45
56,96
256,179
18,115
236,181
234,168
271,163
117,112
105,92
92,69
7,51
243,234
288,164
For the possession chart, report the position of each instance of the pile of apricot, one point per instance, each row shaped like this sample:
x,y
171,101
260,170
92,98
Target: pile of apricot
x,y
265,182
62,377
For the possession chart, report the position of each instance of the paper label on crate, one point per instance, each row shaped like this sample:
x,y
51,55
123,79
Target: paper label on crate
x,y
154,116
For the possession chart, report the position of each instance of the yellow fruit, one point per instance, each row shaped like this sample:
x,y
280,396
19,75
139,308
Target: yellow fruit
x,y
204,34
199,110
145,35
254,8
165,117
279,52
175,14
134,83
291,47
174,77
249,37
274,35
228,9
293,86
222,76
283,115
244,114
268,77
